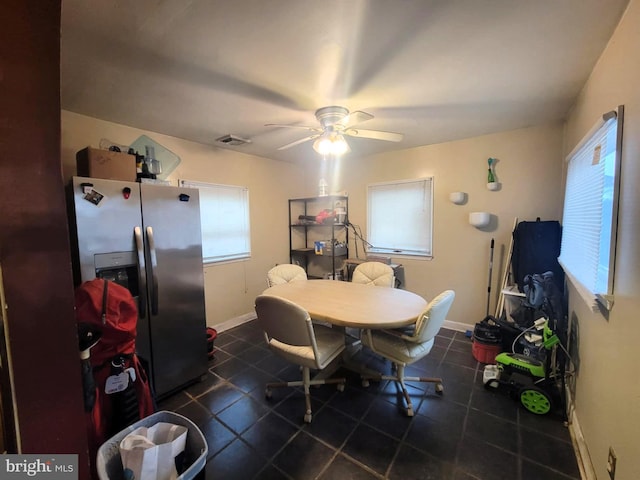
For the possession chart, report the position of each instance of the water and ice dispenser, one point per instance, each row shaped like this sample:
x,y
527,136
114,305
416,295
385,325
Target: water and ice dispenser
x,y
119,267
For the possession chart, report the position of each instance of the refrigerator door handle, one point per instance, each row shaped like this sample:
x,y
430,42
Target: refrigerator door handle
x,y
142,278
154,273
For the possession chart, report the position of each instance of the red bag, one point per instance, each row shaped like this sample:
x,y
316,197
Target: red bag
x,y
122,391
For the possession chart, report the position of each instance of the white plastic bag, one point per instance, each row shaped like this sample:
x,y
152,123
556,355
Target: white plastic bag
x,y
150,452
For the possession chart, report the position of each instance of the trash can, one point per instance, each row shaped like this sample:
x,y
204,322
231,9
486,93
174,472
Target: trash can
x,y
192,460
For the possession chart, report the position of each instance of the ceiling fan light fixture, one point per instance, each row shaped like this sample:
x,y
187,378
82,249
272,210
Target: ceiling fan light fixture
x,y
336,123
331,144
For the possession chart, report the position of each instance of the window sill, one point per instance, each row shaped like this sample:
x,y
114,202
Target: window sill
x,y
595,302
401,254
605,301
224,261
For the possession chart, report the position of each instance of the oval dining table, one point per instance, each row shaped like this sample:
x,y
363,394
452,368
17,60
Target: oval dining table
x,y
352,305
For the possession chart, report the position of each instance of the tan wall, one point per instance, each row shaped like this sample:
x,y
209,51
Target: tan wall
x,y
608,391
529,171
231,288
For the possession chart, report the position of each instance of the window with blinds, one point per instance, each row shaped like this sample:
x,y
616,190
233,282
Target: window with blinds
x,y
224,215
589,220
400,217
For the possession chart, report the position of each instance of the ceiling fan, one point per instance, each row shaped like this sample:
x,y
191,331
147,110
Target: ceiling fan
x,y
335,123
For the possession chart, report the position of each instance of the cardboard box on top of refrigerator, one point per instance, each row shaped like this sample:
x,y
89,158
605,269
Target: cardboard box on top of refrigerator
x,y
95,163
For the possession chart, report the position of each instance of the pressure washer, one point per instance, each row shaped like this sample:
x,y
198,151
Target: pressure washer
x,y
537,381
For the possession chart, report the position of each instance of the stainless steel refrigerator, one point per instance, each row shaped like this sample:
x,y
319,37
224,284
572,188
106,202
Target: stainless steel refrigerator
x,y
147,238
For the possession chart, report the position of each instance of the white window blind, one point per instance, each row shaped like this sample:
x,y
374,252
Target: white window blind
x,y
400,217
224,214
590,210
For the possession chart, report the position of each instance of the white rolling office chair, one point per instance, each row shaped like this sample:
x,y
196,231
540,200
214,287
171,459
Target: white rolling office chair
x,y
285,273
374,273
404,349
289,333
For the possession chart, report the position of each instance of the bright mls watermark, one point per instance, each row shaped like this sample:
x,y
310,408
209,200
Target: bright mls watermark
x,y
53,467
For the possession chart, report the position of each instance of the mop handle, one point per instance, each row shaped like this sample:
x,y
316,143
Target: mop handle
x,y
490,274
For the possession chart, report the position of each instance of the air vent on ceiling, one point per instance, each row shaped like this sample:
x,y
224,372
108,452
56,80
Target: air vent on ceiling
x,y
232,140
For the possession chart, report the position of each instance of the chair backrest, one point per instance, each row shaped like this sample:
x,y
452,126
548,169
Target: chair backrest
x,y
286,323
374,273
430,321
285,273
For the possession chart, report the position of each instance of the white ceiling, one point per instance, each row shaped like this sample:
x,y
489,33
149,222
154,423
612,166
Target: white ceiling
x,y
434,70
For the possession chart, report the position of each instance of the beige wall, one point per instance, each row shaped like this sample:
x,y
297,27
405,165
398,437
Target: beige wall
x,y
529,171
608,390
231,288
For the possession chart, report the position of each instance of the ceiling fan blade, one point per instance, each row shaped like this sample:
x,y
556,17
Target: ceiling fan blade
x,y
375,134
354,118
298,142
284,125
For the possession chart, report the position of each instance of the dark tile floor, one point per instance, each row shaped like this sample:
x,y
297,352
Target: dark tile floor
x,y
362,433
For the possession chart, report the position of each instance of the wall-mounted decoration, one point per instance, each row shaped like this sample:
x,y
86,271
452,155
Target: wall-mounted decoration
x,y
492,183
479,219
458,197
491,178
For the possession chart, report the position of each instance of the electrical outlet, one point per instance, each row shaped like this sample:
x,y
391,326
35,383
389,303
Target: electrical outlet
x,y
611,463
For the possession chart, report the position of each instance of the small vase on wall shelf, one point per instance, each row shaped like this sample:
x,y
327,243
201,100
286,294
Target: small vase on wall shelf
x,y
491,179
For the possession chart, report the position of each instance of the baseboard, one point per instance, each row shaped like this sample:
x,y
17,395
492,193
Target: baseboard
x,y
580,446
457,326
234,322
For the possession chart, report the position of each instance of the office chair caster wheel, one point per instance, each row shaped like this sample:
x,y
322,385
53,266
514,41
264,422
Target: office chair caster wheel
x,y
365,382
439,388
268,393
340,387
307,418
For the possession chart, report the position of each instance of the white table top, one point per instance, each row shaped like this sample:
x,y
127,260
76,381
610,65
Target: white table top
x,y
352,305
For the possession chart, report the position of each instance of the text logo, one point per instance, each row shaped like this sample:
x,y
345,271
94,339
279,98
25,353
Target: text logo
x,y
51,467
